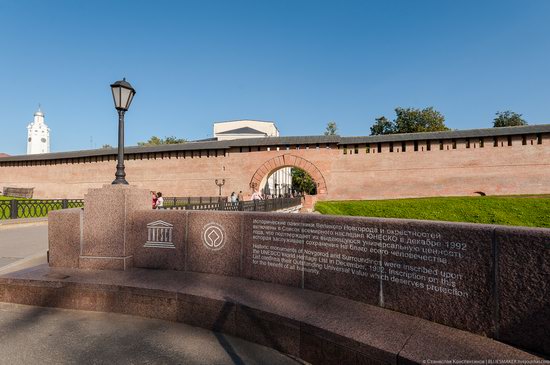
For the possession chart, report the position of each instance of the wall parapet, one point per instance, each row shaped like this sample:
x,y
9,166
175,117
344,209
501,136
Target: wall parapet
x,y
220,148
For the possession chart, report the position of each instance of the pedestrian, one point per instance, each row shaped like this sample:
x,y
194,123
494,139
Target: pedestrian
x,y
154,197
240,197
160,200
256,196
233,197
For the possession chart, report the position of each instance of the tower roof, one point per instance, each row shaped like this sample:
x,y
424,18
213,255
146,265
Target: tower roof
x,y
39,113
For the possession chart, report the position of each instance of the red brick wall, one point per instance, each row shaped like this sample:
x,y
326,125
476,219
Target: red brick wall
x,y
516,169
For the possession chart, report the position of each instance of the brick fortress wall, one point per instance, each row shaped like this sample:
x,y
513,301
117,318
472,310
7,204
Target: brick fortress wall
x,y
512,164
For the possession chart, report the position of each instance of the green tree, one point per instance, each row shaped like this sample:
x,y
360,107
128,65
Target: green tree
x,y
174,140
106,146
156,141
508,118
331,129
411,120
153,141
302,182
382,126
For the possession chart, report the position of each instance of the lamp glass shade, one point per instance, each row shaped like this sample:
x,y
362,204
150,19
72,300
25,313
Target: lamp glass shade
x,y
123,93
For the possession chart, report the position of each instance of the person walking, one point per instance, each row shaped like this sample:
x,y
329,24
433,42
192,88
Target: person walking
x,y
256,196
154,197
160,200
233,197
240,197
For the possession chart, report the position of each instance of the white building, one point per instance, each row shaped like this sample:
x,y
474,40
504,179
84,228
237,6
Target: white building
x,y
237,129
280,182
38,135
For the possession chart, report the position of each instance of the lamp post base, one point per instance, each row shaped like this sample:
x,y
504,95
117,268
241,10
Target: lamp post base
x,y
120,181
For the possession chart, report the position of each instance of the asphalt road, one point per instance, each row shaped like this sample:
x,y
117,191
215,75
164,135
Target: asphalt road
x,y
35,335
22,241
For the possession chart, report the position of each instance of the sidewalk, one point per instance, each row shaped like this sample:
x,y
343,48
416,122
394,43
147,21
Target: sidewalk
x,y
35,335
23,244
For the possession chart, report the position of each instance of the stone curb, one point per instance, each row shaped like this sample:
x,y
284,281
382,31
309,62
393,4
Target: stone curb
x,y
10,222
24,263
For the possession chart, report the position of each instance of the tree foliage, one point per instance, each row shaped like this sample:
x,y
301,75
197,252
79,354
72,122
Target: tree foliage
x,y
332,129
508,118
410,120
382,126
156,141
302,182
106,146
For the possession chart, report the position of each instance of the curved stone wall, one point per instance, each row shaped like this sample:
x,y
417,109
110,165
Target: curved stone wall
x,y
486,279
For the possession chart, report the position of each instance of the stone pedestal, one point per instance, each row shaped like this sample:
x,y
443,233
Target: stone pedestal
x,y
105,225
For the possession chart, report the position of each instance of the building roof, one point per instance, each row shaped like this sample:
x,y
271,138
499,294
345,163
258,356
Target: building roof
x,y
245,120
284,141
451,134
243,130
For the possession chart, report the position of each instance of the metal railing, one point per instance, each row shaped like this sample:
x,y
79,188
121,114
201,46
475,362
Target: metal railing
x,y
187,200
268,205
35,208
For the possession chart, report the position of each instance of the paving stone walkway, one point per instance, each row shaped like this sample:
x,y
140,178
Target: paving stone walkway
x,y
35,335
22,241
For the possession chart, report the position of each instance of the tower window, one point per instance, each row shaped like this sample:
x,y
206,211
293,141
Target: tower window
x,y
416,145
509,140
441,144
454,143
379,147
428,145
403,146
539,138
391,146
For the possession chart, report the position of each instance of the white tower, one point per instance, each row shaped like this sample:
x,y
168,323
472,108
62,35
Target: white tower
x,y
38,134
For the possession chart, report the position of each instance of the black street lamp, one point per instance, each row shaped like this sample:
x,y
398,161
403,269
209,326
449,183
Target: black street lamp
x,y
123,93
220,184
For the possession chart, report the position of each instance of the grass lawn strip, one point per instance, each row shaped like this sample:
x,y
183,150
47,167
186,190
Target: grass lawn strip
x,y
530,211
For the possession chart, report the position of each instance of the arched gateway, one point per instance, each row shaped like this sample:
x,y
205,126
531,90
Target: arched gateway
x,y
263,172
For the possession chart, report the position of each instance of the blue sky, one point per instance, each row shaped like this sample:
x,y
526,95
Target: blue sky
x,y
298,63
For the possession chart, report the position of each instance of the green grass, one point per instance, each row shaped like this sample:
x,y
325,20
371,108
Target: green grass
x,y
530,211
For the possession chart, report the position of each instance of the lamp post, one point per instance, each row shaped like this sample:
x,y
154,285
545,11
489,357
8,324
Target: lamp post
x,y
220,184
123,93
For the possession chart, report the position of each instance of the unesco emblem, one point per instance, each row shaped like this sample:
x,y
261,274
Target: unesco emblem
x,y
213,236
